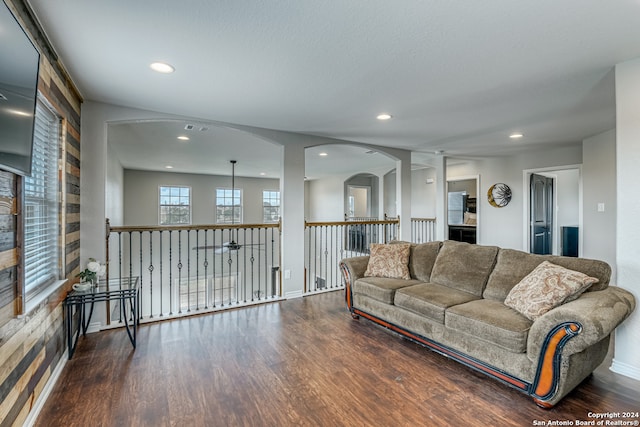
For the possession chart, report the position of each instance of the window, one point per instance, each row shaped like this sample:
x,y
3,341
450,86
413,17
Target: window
x,y
194,292
228,206
270,206
175,205
41,211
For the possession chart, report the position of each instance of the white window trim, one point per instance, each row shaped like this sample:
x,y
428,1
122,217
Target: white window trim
x,y
41,296
31,300
190,204
263,206
241,219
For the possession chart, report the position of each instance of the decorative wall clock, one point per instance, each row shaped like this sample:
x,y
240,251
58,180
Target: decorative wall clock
x,y
499,195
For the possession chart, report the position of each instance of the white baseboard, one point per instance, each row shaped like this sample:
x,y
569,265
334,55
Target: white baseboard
x,y
625,369
293,294
46,391
94,327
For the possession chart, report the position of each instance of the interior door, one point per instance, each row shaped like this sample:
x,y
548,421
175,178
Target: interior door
x,y
541,217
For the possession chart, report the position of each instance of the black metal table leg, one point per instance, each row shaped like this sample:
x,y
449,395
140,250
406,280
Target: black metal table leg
x,y
73,343
123,303
85,324
68,324
136,321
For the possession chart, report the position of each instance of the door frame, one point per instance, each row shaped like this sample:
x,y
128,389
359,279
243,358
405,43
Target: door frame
x,y
526,214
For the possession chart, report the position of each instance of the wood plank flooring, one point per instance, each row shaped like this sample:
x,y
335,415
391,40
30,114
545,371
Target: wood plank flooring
x,y
301,362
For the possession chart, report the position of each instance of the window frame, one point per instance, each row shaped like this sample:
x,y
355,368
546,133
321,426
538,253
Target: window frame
x,y
265,207
233,207
161,205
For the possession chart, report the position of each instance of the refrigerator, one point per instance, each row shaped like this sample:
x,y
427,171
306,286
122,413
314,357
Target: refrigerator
x,y
456,207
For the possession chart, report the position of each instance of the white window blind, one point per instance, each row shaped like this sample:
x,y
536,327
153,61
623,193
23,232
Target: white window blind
x,y
41,206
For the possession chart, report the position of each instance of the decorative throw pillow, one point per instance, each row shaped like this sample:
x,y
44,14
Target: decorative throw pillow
x,y
546,287
390,260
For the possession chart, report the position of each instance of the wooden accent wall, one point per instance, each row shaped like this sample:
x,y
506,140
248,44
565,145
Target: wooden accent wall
x,y
32,344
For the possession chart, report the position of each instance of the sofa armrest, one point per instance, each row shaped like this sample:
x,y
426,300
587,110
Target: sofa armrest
x,y
352,269
356,267
595,314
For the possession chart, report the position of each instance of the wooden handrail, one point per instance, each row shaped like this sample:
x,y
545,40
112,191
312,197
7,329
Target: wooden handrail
x,y
423,219
335,223
130,228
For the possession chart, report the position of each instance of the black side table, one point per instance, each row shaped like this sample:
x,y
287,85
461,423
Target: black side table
x,y
123,290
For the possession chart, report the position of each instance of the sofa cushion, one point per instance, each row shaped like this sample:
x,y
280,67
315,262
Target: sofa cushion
x,y
464,266
512,266
546,287
430,299
491,321
422,258
381,288
389,260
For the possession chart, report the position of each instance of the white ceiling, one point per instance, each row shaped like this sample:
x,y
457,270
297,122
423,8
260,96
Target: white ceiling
x,y
457,76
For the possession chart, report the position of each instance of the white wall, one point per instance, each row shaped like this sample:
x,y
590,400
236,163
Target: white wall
x,y
389,190
504,226
141,195
599,184
114,208
567,202
626,360
362,200
466,185
325,203
423,195
93,174
326,199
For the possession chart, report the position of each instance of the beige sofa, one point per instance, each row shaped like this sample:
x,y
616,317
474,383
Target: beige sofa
x,y
454,303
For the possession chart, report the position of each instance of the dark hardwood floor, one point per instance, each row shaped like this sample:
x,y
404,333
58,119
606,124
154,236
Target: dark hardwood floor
x,y
301,362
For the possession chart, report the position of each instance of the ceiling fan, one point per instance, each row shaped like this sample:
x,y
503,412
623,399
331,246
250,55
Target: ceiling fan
x,y
232,245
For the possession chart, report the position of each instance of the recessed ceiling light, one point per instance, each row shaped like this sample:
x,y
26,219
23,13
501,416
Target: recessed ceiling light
x,y
323,154
263,173
162,67
383,116
183,138
168,167
516,135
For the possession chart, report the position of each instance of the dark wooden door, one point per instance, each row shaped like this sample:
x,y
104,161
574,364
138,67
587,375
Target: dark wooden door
x,y
541,217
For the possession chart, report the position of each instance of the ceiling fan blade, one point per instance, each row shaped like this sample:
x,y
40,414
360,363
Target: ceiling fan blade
x,y
226,247
200,248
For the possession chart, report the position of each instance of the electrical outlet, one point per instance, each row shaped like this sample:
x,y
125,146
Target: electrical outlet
x,y
287,274
600,207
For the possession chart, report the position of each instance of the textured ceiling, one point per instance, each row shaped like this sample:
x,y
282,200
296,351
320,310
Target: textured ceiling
x,y
457,76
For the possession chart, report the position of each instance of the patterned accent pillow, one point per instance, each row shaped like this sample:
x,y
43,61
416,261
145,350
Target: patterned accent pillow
x,y
546,287
390,261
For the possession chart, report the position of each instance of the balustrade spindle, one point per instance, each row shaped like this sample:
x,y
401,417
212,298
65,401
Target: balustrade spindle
x,y
170,272
176,279
233,274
